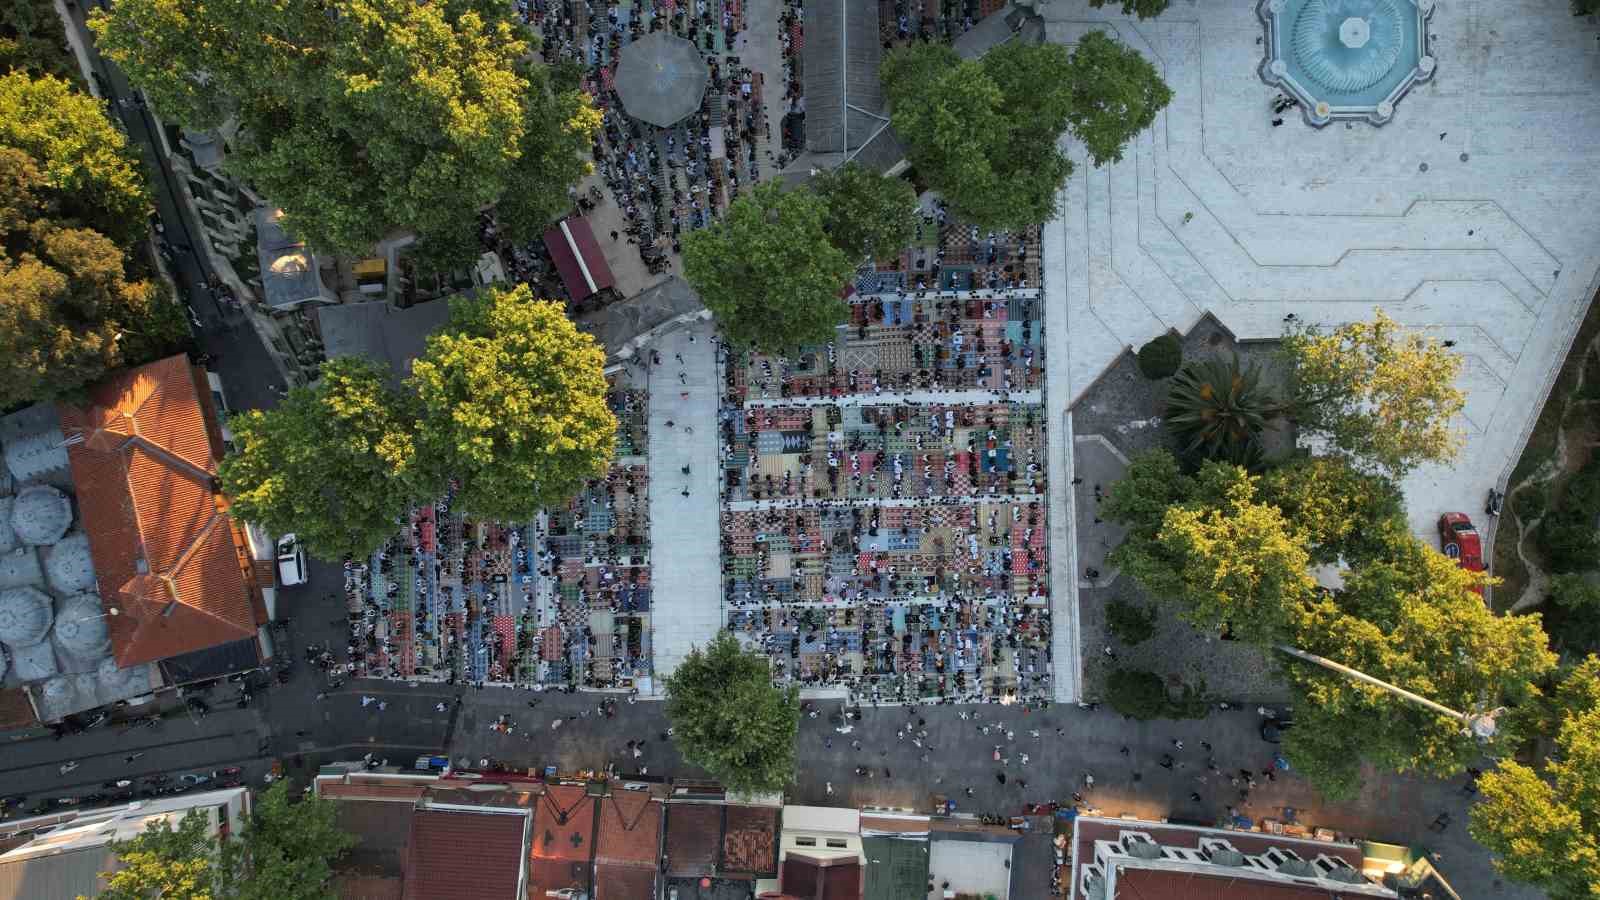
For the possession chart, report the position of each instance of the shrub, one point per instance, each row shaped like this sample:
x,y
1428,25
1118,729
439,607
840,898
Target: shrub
x,y
1130,623
1567,535
1161,357
1530,502
1137,693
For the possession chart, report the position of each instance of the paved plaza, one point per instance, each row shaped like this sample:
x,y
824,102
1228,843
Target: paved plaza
x,y
1471,215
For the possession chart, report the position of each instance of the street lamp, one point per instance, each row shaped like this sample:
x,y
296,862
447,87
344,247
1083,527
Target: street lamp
x,y
1480,724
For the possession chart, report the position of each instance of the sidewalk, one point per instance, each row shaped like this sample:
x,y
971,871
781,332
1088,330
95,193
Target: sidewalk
x,y
684,548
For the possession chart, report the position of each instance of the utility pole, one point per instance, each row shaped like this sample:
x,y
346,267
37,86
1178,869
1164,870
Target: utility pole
x,y
1480,725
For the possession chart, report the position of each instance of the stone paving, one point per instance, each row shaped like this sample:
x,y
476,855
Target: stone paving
x,y
1471,215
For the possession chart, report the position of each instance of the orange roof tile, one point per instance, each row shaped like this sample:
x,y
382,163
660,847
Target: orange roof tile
x,y
630,829
163,549
563,828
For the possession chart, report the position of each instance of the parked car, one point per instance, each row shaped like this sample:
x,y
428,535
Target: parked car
x,y
291,561
220,399
1272,729
1459,540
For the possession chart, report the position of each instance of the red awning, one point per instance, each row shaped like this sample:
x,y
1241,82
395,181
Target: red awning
x,y
578,258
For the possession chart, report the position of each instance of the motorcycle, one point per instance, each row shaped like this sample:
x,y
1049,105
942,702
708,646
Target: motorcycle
x,y
66,767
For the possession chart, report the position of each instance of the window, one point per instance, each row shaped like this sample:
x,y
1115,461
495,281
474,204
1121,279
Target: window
x,y
805,841
837,843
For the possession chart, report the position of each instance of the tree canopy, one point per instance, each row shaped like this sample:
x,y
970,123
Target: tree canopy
x,y
1115,94
1342,513
285,852
868,215
32,40
731,720
768,270
335,463
1545,831
984,132
1412,620
1378,392
1234,549
68,310
365,117
88,168
513,405
170,863
983,149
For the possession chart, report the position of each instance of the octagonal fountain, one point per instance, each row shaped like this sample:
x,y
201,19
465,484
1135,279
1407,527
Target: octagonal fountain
x,y
1346,59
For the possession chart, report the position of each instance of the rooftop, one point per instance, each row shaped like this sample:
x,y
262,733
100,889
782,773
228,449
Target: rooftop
x,y
387,336
144,462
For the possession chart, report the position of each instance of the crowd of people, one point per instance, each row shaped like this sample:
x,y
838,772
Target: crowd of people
x,y
666,181
897,550
455,599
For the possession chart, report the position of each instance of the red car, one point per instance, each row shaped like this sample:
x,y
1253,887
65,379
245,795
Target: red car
x,y
1459,540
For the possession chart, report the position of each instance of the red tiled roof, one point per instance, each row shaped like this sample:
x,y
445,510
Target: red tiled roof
x,y
821,879
464,856
614,882
630,829
163,547
333,790
694,838
751,839
563,827
554,875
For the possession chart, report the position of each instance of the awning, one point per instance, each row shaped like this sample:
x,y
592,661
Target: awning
x,y
578,258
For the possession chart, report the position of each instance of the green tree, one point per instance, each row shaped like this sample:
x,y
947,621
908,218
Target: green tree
x,y
513,405
731,720
1414,621
1144,9
990,153
1217,409
68,311
32,40
1343,513
1116,94
91,174
1545,832
169,863
287,850
868,215
1574,620
359,119
1377,391
1235,562
559,125
1567,535
335,463
768,271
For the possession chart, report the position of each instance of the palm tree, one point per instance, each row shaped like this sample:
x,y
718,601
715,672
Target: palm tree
x,y
1218,408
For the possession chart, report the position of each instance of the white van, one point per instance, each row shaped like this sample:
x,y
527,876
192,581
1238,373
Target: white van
x,y
220,400
291,562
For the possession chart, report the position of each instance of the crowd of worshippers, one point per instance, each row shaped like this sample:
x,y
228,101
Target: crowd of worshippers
x,y
930,551
429,623
664,181
908,21
962,649
1002,453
